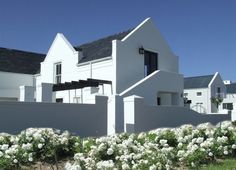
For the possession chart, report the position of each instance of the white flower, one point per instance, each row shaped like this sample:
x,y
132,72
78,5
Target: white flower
x,y
40,145
1,154
199,140
163,142
105,164
180,145
180,153
210,154
125,166
110,151
233,146
4,147
30,159
27,146
76,144
226,152
15,161
153,167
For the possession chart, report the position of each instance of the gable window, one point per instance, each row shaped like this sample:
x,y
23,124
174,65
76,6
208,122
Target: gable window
x,y
57,73
150,62
199,93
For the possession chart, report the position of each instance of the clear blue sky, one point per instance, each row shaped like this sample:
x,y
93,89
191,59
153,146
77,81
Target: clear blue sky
x,y
201,32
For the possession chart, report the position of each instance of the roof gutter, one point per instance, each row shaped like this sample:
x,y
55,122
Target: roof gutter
x,y
94,61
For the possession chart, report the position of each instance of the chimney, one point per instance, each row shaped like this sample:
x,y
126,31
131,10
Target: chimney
x,y
80,54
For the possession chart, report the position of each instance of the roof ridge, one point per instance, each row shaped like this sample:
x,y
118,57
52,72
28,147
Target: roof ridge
x,y
17,50
200,76
103,38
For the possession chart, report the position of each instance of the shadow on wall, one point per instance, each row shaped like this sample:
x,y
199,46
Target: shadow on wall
x,y
199,108
82,119
140,117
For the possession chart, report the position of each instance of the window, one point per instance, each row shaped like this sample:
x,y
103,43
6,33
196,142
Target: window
x,y
150,62
57,72
228,106
158,101
199,93
218,92
77,100
59,100
185,94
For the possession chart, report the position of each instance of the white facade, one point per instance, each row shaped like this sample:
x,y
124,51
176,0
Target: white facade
x,y
10,83
124,68
201,97
229,102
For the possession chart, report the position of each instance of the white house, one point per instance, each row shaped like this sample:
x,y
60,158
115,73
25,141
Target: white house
x,y
133,62
117,81
126,60
17,68
199,90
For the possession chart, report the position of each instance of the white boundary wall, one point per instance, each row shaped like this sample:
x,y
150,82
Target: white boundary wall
x,y
81,119
140,117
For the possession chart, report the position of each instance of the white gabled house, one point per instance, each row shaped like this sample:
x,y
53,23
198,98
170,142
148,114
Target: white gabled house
x,y
199,90
136,62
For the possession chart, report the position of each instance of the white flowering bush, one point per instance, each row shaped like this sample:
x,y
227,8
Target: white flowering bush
x,y
33,145
166,148
186,146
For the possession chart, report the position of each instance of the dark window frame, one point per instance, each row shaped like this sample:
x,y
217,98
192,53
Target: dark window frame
x,y
150,62
57,72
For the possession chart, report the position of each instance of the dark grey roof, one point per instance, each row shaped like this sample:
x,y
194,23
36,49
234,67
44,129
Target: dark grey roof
x,y
197,82
231,88
100,48
17,61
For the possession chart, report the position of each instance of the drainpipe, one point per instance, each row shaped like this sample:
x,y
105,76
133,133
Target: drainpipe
x,y
91,70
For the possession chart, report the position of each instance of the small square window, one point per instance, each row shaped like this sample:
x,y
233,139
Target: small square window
x,y
199,93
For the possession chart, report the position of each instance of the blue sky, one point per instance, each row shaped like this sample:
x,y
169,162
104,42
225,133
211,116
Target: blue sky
x,y
201,32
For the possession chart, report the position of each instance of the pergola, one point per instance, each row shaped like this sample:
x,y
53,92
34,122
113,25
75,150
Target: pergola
x,y
73,85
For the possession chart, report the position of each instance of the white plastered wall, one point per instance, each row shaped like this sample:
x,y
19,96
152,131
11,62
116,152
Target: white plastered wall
x,y
204,107
9,86
62,51
130,64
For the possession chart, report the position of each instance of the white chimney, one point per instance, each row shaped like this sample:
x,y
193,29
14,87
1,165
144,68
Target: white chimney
x,y
80,54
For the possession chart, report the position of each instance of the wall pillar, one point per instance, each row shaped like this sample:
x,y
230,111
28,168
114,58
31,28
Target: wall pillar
x,y
115,121
44,92
27,93
131,103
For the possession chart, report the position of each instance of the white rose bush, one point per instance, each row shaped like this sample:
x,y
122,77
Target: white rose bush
x,y
33,145
166,148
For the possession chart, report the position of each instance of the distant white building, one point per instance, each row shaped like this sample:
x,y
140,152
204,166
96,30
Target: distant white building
x,y
229,101
199,90
17,68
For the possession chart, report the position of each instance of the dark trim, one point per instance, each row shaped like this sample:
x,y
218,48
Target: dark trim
x,y
100,81
79,84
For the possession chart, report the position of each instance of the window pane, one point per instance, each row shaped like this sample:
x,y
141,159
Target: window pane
x,y
199,93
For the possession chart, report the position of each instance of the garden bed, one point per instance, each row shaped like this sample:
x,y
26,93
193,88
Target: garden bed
x,y
184,147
